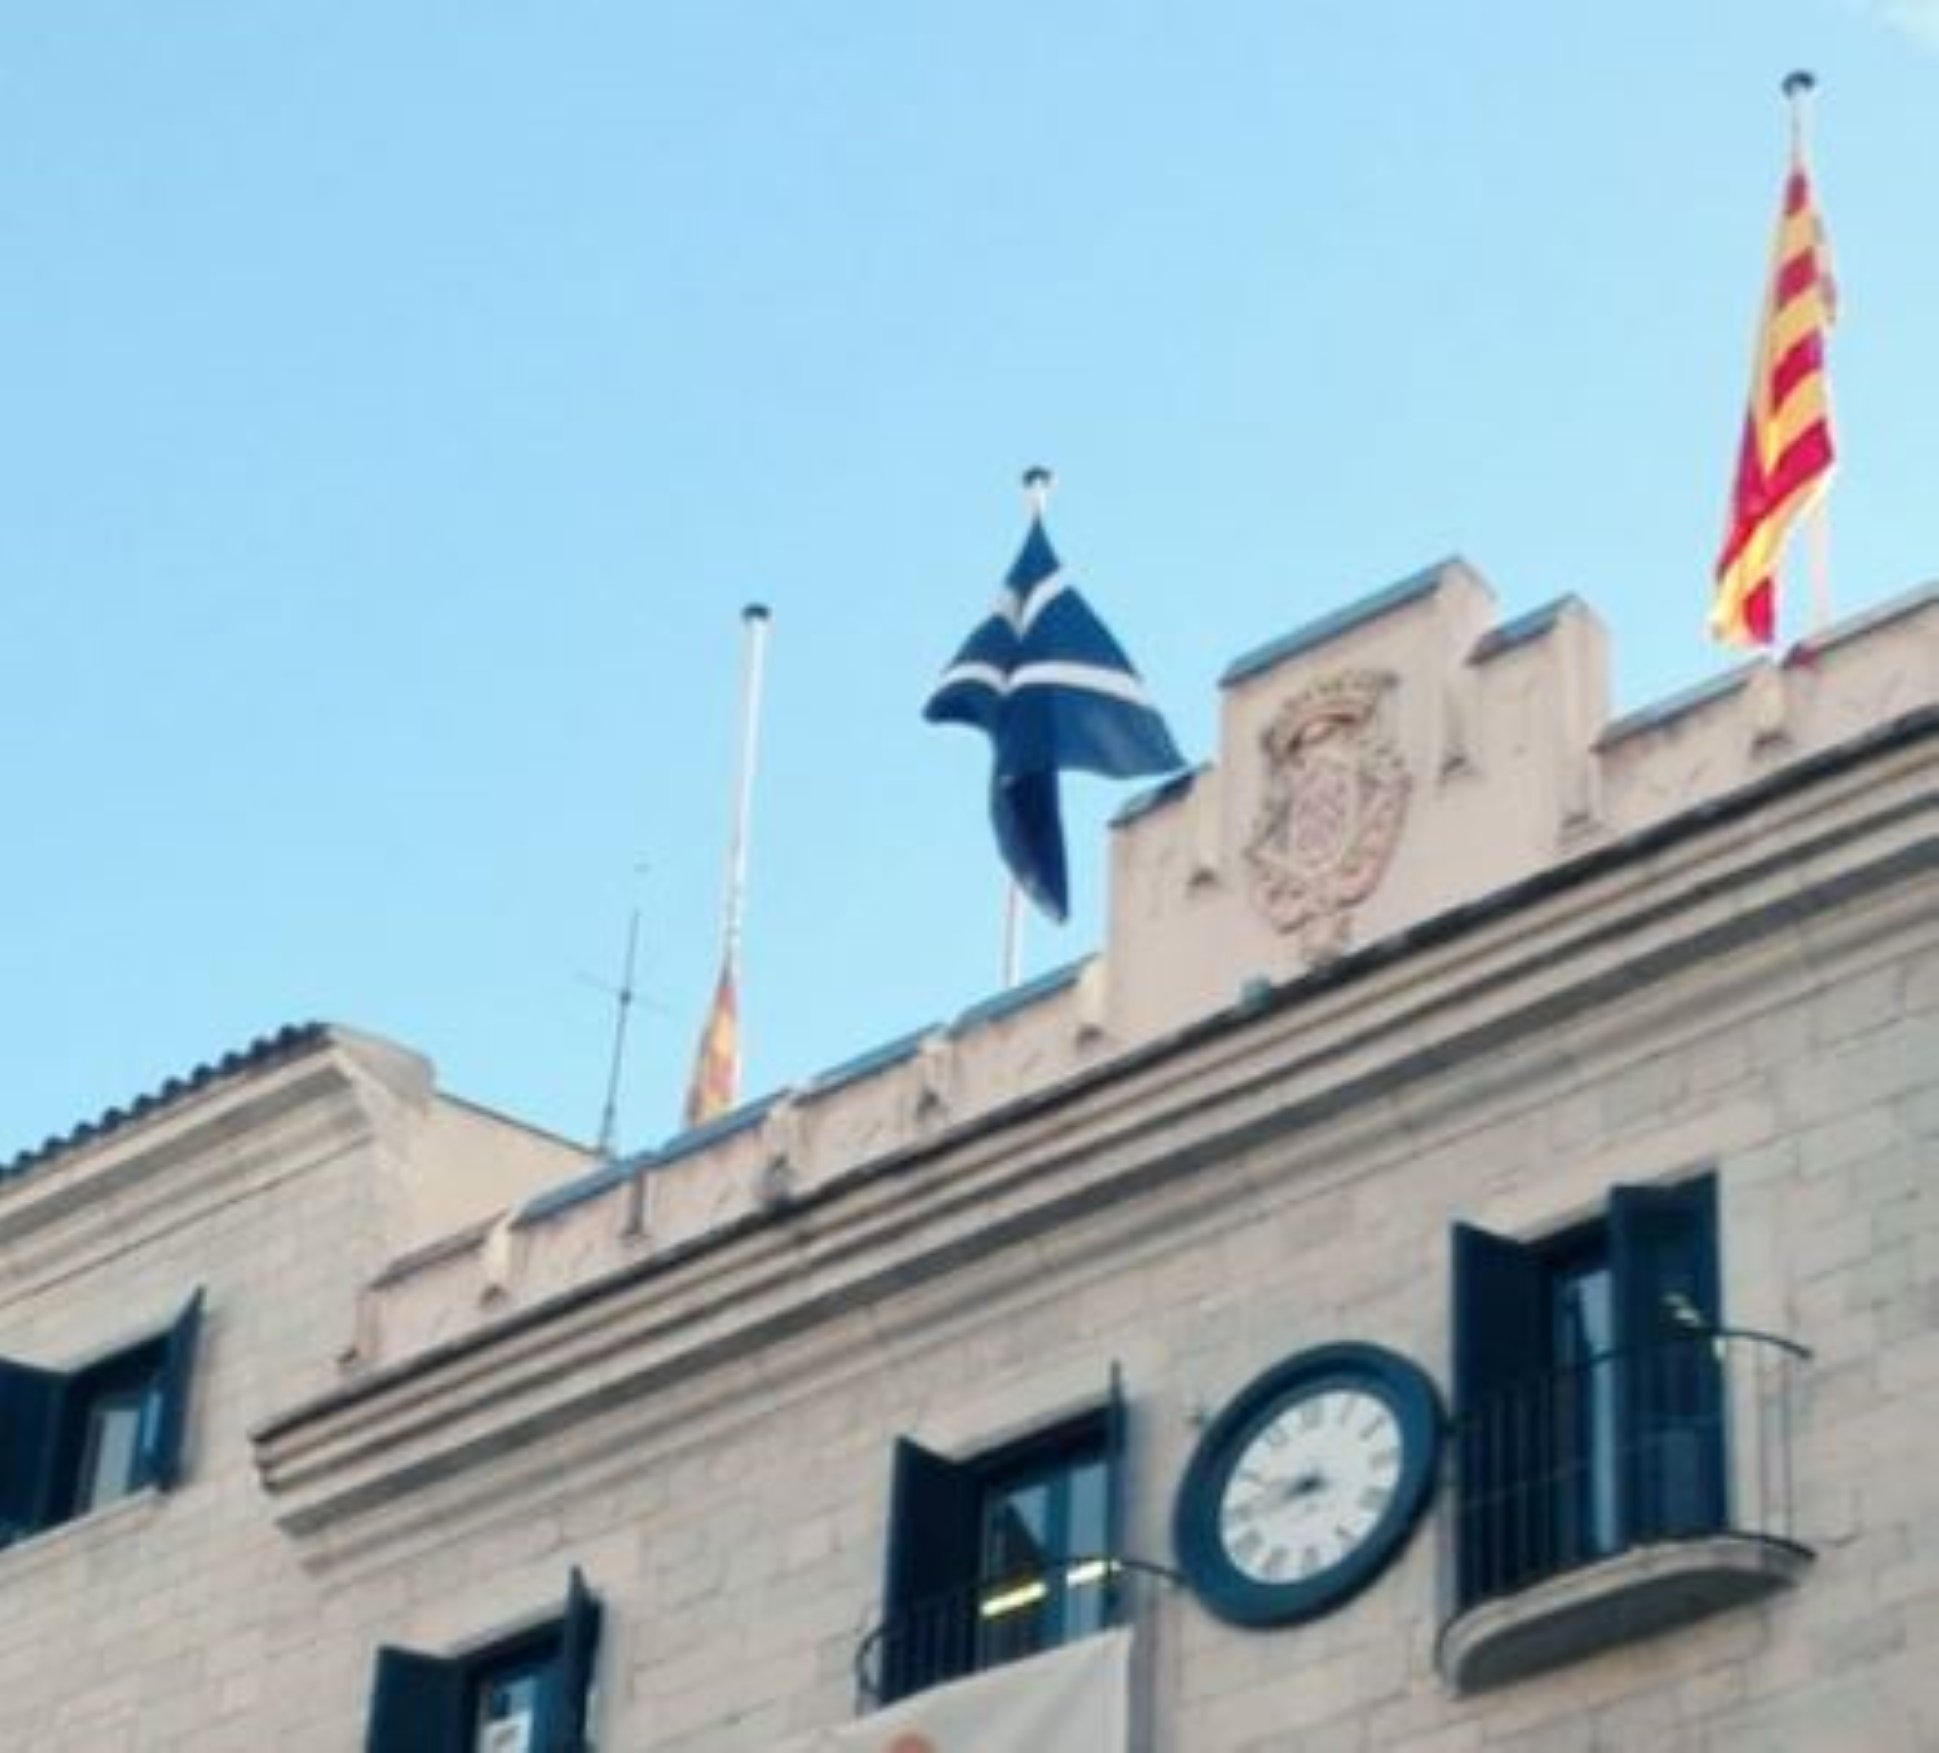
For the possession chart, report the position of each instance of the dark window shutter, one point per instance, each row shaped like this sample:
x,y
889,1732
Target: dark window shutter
x,y
162,1463
1663,1252
417,1704
1663,1259
578,1649
30,1429
1504,1422
929,1590
1116,1489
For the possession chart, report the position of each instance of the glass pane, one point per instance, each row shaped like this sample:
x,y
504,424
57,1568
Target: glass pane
x,y
1089,1510
1010,1606
1086,1577
111,1448
1044,1536
510,1699
1016,1530
1018,1546
1585,1397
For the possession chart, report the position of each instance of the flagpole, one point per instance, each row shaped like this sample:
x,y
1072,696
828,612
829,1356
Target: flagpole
x,y
1037,483
715,1085
754,619
1012,932
1798,88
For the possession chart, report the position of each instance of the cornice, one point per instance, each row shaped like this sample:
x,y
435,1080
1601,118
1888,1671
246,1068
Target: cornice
x,y
1759,873
286,1043
154,1174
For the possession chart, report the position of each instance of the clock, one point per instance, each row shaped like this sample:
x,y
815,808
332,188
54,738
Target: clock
x,y
1308,1484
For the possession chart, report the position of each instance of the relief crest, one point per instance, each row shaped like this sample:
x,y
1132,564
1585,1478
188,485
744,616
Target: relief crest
x,y
1331,807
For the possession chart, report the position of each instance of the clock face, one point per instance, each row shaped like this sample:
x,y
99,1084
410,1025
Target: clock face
x,y
1308,1483
1311,1485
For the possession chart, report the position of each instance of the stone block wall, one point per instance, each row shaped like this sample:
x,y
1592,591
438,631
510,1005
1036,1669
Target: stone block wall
x,y
708,1434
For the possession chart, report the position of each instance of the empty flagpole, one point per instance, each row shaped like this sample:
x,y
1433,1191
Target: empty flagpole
x,y
754,619
1797,89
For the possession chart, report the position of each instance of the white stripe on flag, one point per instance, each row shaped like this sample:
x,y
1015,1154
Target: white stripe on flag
x,y
1084,677
1042,594
1009,607
1091,678
984,675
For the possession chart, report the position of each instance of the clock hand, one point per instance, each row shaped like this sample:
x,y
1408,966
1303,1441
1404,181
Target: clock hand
x,y
1290,1491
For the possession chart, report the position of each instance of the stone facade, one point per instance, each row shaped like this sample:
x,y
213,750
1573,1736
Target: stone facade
x,y
1701,939
278,1187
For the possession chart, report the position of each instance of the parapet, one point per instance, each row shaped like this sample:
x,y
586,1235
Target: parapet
x,y
1388,766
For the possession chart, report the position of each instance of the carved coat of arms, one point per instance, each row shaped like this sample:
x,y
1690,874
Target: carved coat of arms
x,y
1334,797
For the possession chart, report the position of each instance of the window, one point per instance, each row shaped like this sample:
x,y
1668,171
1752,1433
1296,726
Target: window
x,y
74,1442
1001,1556
522,1694
1589,1388
1044,1535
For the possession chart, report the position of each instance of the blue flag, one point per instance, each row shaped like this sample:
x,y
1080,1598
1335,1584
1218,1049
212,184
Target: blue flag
x,y
1053,690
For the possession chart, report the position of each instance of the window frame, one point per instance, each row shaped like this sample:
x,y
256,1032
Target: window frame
x,y
133,1380
1052,1459
936,1590
539,1652
425,1703
49,1417
1526,1488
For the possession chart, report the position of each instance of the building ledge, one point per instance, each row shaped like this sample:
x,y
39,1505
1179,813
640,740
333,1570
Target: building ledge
x,y
1617,1600
83,1539
454,1405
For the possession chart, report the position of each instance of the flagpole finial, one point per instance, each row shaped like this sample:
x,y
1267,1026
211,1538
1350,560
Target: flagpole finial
x,y
756,612
1797,88
1037,483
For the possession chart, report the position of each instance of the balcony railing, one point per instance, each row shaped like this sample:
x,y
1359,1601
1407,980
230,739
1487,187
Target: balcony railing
x,y
1685,1442
1003,1619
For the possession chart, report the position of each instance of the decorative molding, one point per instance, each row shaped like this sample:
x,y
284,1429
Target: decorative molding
x,y
1058,1173
1329,817
148,1176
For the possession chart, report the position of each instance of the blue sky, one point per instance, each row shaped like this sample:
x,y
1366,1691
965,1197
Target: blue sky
x,y
402,399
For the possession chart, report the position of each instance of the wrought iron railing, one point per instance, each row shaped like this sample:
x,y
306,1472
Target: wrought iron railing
x,y
1685,1437
1001,1619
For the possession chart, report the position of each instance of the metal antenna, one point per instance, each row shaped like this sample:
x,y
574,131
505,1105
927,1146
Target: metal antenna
x,y
622,1009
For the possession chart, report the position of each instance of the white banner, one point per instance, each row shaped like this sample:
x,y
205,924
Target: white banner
x,y
1076,1699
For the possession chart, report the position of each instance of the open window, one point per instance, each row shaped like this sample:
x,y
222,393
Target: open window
x,y
75,1441
528,1693
1009,1552
1588,1388
1622,1457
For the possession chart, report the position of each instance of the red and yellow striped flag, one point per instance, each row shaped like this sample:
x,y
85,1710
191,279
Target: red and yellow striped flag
x,y
717,1064
1785,460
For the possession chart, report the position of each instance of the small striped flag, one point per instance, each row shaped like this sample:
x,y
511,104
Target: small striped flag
x,y
1784,462
717,1062
1052,689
